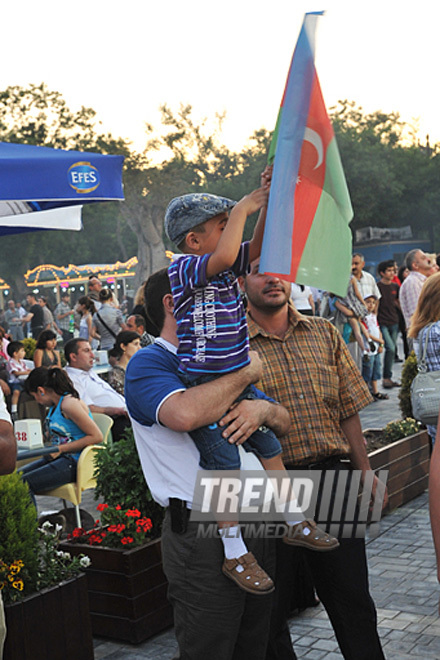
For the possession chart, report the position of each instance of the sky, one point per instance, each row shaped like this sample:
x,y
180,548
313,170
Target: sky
x,y
125,59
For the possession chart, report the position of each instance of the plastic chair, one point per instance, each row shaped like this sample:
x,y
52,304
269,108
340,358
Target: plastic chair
x,y
84,479
104,423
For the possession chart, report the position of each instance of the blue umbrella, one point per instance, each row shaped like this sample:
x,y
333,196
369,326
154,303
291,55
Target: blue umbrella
x,y
43,188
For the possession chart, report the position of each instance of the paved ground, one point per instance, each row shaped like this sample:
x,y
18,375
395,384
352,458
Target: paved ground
x,y
402,575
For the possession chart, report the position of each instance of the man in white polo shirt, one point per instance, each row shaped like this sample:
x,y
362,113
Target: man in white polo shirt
x,y
212,617
8,455
93,390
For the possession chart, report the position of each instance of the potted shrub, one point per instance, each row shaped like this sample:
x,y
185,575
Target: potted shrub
x,y
126,584
44,590
403,448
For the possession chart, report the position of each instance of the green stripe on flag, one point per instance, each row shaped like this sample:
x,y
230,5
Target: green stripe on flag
x,y
273,144
330,228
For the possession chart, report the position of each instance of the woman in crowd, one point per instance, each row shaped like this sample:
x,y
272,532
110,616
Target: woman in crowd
x,y
126,345
86,307
46,354
70,427
139,302
426,319
302,298
107,322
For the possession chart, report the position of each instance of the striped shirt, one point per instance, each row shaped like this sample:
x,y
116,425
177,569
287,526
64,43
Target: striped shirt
x,y
311,373
211,321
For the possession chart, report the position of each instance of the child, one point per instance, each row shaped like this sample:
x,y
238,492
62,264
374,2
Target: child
x,y
16,368
213,340
352,310
371,364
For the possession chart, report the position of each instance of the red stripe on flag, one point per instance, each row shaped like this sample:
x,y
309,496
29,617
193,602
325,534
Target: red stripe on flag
x,y
311,174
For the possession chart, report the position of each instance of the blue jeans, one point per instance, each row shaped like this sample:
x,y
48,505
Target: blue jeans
x,y
216,452
45,474
389,333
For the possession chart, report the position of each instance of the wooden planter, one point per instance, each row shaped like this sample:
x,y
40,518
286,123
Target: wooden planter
x,y
51,624
408,463
127,591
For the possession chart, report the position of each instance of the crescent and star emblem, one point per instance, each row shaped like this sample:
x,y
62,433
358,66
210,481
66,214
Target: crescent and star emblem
x,y
315,139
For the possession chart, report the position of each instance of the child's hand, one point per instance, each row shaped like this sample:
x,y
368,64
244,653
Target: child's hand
x,y
254,201
266,177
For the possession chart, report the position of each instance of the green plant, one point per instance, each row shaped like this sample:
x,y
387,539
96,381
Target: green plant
x,y
118,528
18,527
409,372
29,345
121,482
400,428
29,557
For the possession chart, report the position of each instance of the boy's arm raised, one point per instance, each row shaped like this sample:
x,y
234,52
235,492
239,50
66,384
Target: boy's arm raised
x,y
257,239
226,252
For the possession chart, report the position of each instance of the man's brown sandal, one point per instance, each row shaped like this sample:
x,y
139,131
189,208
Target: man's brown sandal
x,y
316,539
252,578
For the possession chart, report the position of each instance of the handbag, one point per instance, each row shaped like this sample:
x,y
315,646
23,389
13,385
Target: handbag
x,y
425,389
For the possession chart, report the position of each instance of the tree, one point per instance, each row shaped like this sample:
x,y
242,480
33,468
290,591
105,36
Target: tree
x,y
195,160
392,181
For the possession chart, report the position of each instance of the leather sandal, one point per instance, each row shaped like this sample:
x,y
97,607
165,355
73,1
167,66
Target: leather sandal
x,y
252,578
380,396
316,539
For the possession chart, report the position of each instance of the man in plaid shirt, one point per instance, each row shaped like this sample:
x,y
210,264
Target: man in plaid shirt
x,y
309,371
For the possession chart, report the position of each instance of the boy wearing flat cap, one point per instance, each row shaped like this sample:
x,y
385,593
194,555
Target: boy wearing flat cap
x,y
213,340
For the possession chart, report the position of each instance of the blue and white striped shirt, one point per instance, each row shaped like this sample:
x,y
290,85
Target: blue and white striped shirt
x,y
211,320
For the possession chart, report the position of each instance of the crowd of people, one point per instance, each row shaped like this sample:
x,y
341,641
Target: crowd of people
x,y
220,327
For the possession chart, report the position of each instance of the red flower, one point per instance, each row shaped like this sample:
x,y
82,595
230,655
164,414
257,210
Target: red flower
x,y
101,507
127,539
133,513
77,532
118,507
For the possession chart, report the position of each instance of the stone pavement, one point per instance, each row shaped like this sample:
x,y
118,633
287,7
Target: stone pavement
x,y
402,575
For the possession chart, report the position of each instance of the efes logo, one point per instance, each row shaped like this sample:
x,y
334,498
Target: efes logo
x,y
83,177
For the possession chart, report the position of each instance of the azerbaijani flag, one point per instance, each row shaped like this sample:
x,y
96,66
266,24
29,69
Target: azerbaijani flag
x,y
307,238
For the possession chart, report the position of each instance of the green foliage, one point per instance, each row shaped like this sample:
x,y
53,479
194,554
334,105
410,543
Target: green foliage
x,y
29,555
121,482
409,372
400,428
29,344
18,528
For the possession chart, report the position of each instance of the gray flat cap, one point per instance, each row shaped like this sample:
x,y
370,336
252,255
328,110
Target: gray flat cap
x,y
187,211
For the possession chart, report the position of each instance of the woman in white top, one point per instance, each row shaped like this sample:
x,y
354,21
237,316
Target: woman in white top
x,y
302,298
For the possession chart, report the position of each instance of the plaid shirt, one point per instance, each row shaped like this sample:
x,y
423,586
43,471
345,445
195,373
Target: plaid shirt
x,y
409,294
312,374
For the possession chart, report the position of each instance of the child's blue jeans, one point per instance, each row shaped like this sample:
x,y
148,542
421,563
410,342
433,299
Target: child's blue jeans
x,y
216,453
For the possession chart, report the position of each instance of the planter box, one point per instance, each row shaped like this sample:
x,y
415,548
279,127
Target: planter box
x,y
51,624
127,591
408,463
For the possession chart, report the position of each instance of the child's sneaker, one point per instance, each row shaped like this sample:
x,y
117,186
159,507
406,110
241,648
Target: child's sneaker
x,y
250,577
308,535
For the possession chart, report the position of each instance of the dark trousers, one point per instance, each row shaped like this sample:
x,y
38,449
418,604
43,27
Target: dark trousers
x,y
213,618
120,424
341,582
